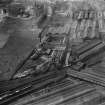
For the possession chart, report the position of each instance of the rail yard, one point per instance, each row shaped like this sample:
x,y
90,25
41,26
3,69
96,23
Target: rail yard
x,y
67,66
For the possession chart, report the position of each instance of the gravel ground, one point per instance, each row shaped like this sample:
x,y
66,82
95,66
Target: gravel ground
x,y
21,41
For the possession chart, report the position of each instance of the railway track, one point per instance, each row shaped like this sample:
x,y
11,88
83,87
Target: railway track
x,y
62,69
29,87
33,83
68,91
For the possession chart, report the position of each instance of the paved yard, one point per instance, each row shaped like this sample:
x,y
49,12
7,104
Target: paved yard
x,y
22,39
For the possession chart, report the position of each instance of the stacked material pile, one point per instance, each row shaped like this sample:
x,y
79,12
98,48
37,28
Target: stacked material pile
x,y
85,59
84,25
